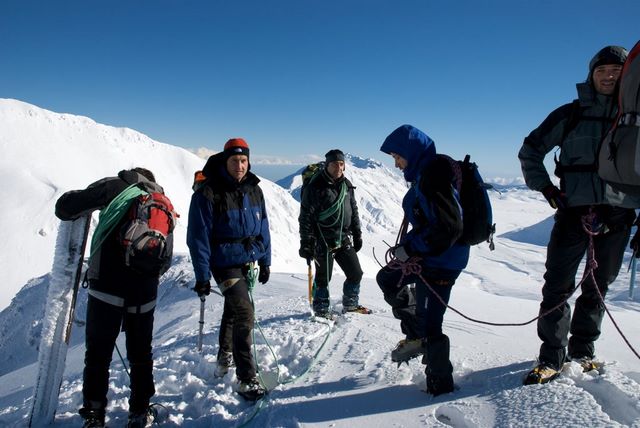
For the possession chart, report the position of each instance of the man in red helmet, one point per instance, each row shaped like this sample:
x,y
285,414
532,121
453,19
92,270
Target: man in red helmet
x,y
228,233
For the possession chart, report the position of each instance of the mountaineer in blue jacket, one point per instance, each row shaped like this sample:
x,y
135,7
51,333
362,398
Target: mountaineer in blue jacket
x,y
228,231
432,209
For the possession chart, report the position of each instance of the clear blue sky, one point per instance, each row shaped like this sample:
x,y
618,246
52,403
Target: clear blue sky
x,y
299,77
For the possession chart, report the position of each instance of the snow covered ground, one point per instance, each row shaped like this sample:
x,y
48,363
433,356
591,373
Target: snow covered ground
x,y
341,375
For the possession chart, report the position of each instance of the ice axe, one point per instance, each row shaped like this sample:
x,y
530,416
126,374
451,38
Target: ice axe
x,y
310,276
632,279
201,322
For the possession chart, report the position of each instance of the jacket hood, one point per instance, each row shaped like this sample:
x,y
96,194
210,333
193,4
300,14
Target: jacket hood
x,y
414,146
607,55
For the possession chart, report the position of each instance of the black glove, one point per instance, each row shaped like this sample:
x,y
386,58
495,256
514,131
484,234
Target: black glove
x,y
357,242
635,243
555,197
203,288
307,249
263,277
400,253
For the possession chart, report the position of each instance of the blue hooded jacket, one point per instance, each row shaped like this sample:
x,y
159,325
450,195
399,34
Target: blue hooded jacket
x,y
228,223
431,205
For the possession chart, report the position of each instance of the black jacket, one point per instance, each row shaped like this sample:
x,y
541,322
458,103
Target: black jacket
x,y
320,194
107,271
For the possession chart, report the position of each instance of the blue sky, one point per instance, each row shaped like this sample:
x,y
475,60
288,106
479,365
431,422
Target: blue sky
x,y
298,77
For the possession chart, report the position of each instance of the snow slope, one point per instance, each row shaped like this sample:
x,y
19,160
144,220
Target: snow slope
x,y
341,375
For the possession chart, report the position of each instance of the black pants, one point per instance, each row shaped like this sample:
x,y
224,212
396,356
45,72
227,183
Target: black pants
x,y
347,259
236,326
103,326
566,249
420,314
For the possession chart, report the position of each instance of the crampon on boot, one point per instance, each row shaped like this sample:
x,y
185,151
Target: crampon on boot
x,y
225,360
542,373
251,389
358,309
406,350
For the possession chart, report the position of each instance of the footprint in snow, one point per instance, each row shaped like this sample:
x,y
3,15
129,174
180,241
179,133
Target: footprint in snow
x,y
452,417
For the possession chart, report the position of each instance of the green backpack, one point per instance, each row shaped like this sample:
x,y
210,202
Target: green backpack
x,y
309,173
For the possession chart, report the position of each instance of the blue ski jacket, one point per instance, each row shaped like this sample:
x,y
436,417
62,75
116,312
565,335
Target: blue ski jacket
x,y
431,205
228,223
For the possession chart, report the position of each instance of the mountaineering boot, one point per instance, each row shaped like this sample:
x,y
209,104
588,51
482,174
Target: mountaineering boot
x,y
93,418
251,389
358,309
407,349
542,373
325,312
225,360
140,419
588,364
439,385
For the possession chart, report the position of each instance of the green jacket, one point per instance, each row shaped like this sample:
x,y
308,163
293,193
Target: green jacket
x,y
578,132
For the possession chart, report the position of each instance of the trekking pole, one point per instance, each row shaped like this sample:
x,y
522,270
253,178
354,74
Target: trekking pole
x,y
632,279
201,322
310,275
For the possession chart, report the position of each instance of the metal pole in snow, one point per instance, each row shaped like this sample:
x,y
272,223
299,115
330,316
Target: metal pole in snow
x,y
201,322
632,279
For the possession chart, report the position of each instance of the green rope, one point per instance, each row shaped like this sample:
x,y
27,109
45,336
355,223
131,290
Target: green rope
x,y
251,281
112,214
337,206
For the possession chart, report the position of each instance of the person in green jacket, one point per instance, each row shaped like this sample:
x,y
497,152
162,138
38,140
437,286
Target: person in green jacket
x,y
577,129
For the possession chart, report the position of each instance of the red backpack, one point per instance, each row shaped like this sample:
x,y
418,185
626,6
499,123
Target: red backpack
x,y
147,233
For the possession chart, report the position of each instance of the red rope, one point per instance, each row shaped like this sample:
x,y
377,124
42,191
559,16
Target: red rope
x,y
413,267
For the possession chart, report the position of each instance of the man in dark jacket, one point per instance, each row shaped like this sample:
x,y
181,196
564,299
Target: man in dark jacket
x,y
228,232
330,229
118,296
431,206
578,128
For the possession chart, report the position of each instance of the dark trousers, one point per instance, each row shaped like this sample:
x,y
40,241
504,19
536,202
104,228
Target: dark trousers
x,y
347,259
567,246
236,325
421,315
103,326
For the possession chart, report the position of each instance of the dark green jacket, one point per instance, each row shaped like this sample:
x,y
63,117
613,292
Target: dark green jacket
x,y
579,138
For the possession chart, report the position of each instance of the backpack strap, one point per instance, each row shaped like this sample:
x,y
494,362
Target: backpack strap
x,y
575,116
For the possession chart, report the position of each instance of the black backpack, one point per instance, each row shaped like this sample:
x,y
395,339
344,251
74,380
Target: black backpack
x,y
477,214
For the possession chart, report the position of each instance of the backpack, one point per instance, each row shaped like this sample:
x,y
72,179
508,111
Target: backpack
x,y
147,233
619,154
477,215
308,174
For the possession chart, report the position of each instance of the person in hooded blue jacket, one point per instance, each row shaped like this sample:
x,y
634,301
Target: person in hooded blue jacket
x,y
432,209
228,232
